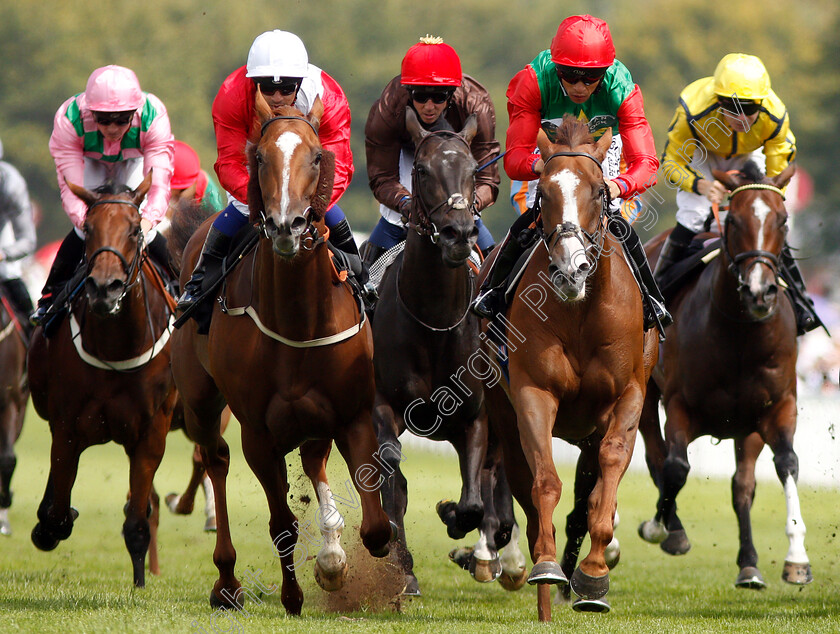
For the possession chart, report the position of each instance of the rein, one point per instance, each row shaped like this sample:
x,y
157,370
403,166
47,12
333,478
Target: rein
x,y
408,312
425,226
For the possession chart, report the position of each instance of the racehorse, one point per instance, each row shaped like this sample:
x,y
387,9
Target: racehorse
x,y
104,374
425,338
578,361
13,398
290,350
740,383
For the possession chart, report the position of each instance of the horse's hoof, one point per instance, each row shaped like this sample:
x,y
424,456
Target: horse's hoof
x,y
485,571
589,588
412,586
798,574
172,501
676,543
612,554
444,509
461,556
210,525
217,603
750,578
513,581
5,528
468,518
601,605
331,582
43,539
547,572
653,532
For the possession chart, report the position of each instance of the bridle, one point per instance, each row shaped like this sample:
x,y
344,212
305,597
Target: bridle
x,y
313,239
761,256
421,208
569,229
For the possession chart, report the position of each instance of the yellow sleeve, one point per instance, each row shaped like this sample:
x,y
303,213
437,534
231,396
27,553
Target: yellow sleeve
x,y
780,149
679,149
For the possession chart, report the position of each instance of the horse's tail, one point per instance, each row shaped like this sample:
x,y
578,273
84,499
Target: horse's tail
x,y
186,219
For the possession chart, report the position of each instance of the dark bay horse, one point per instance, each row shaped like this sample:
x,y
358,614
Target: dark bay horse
x,y
426,342
290,351
104,375
578,361
729,372
14,395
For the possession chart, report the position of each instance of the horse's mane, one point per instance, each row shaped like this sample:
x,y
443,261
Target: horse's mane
x,y
752,172
186,218
572,132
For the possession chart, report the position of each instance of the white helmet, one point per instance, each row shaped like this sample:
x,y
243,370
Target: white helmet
x,y
277,54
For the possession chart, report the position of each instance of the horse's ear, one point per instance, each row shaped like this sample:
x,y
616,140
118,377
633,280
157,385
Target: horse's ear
x,y
412,125
316,112
87,196
470,128
543,143
261,107
140,193
781,180
602,146
550,130
732,179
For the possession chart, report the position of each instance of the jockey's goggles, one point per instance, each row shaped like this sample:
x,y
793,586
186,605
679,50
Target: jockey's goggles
x,y
747,107
437,96
268,86
116,118
573,75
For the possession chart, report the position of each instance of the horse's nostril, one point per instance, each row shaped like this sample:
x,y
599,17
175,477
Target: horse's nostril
x,y
115,286
474,233
584,267
298,225
772,291
448,234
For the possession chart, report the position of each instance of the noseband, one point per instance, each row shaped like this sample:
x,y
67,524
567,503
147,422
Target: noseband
x,y
425,226
767,258
569,229
130,270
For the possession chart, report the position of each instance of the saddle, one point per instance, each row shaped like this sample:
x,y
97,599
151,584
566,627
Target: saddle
x,y
699,253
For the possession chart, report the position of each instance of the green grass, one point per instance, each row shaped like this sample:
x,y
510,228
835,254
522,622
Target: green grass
x,y
85,584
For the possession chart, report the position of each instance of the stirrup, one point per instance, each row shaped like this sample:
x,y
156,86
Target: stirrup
x,y
38,317
488,303
659,315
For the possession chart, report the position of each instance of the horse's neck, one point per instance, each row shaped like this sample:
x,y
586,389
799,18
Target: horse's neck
x,y
427,285
295,298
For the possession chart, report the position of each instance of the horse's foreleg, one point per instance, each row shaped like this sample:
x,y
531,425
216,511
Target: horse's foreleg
x,y
144,460
183,504
779,436
55,517
653,530
154,523
471,447
331,560
747,451
8,461
678,435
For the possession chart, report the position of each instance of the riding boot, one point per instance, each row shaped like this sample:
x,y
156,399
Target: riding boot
x,y
803,306
490,299
654,304
341,237
370,253
207,269
67,259
158,250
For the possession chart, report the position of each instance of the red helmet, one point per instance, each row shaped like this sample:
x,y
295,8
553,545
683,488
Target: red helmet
x,y
430,62
186,166
583,42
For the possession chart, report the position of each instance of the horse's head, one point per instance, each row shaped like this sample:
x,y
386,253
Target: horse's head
x,y
113,242
571,198
287,162
754,233
444,188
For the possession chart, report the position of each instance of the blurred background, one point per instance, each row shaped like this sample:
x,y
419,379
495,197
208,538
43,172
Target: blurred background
x,y
182,50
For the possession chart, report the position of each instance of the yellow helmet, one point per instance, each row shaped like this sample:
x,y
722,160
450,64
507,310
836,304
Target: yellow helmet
x,y
741,76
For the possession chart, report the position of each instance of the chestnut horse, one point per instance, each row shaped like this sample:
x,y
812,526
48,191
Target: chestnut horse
x,y
14,395
104,375
289,349
578,361
729,372
425,338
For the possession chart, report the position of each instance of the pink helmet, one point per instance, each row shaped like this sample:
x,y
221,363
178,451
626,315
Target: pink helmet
x,y
583,42
113,89
186,166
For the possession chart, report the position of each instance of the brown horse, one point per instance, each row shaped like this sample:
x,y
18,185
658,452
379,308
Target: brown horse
x,y
14,394
425,340
104,375
578,361
729,372
290,351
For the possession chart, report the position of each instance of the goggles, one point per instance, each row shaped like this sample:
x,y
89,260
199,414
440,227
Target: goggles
x,y
437,96
747,107
116,118
574,75
268,86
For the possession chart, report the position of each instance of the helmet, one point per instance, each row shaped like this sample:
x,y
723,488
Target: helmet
x,y
741,76
186,166
583,42
277,54
430,62
113,89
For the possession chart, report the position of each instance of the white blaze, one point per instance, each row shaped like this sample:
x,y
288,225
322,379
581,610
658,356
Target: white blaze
x,y
568,184
286,143
761,211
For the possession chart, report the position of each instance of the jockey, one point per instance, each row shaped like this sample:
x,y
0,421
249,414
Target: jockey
x,y
188,178
430,82
278,65
579,75
722,122
112,131
17,238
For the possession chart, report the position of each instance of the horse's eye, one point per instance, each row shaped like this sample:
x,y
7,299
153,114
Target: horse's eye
x,y
86,229
421,170
317,160
259,158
